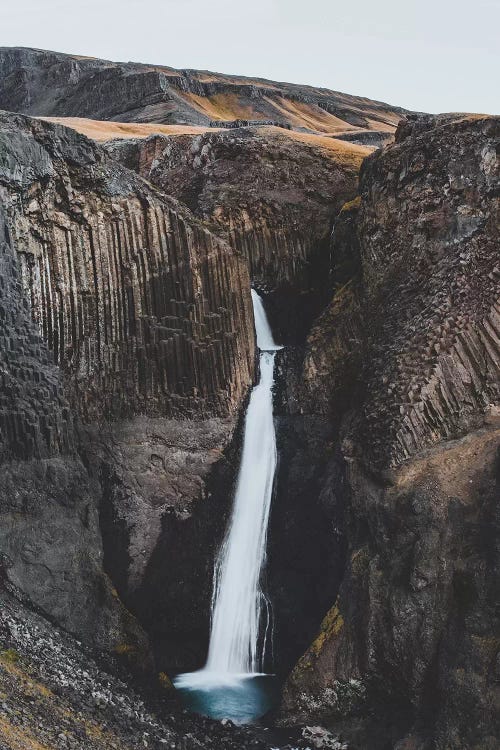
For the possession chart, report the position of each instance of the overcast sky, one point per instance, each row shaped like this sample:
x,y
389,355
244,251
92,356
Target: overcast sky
x,y
431,55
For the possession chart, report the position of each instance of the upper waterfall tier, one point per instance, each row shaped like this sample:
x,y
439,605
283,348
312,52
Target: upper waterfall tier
x,y
265,340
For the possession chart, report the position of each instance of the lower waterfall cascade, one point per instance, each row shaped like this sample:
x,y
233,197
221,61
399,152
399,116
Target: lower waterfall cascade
x,y
232,683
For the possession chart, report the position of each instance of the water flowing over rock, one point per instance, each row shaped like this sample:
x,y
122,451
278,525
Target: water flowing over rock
x,y
237,644
241,626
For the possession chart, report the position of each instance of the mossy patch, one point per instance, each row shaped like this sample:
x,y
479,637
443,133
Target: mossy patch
x,y
351,205
10,655
164,681
359,561
125,649
330,627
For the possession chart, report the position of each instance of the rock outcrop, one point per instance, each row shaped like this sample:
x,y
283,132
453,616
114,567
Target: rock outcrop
x,y
50,544
144,310
39,82
119,312
412,638
270,193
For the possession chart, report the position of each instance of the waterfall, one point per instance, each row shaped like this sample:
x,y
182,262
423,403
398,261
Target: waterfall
x,y
239,607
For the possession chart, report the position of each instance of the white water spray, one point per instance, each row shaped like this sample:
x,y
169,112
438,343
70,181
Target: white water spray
x,y
239,607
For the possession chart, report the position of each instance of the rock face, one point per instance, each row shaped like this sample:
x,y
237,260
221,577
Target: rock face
x,y
270,193
117,303
49,532
143,309
165,489
38,82
412,638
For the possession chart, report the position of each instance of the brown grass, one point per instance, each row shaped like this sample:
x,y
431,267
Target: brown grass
x,y
302,115
343,151
348,153
21,738
104,130
222,107
17,738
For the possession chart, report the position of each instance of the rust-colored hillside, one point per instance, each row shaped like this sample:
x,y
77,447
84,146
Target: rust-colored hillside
x,y
39,82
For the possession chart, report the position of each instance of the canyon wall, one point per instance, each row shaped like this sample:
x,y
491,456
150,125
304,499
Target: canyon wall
x,y
270,193
406,362
129,350
50,543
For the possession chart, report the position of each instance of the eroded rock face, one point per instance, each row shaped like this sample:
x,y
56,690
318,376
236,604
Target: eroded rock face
x,y
50,544
144,310
165,490
271,194
412,638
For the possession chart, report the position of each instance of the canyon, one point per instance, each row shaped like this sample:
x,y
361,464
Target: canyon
x,y
138,207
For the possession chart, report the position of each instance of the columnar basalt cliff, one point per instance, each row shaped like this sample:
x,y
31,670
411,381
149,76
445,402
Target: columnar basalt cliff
x,y
127,354
39,82
124,305
270,193
144,310
50,545
412,638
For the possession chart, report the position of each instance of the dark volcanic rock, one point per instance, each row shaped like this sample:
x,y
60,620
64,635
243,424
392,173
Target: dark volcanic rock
x,y
115,302
428,230
165,491
271,194
407,356
56,696
39,82
144,310
50,545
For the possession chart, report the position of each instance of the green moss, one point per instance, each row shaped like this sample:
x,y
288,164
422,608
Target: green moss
x,y
165,681
125,649
350,205
10,655
359,561
330,627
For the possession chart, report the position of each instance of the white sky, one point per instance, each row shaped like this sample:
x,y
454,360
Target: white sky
x,y
430,55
